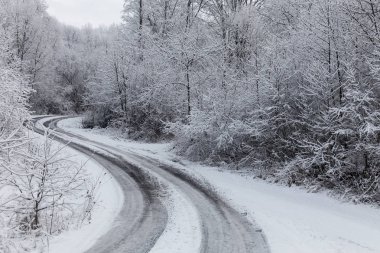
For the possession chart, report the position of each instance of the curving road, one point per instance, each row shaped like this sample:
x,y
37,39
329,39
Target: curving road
x,y
144,217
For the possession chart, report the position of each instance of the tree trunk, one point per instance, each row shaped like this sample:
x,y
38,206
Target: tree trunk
x,y
188,90
141,22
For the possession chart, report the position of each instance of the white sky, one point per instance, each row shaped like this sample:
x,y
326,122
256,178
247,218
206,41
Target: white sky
x,y
82,12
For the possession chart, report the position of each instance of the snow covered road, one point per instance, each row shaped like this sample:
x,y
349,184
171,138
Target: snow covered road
x,y
207,223
142,218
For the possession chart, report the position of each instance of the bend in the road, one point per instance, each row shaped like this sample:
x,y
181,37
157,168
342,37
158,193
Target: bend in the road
x,y
224,230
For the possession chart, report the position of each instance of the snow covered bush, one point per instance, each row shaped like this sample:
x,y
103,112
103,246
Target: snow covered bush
x,y
344,152
193,139
47,185
46,192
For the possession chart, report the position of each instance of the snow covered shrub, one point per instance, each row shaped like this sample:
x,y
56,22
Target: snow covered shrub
x,y
207,137
48,192
343,152
102,116
141,123
196,138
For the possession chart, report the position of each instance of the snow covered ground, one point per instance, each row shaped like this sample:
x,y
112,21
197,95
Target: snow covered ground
x,y
293,220
109,202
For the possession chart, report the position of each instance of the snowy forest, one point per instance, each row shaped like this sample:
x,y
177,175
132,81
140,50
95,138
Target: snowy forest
x,y
290,88
287,88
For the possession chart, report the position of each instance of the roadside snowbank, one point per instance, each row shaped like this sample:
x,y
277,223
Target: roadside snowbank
x,y
109,203
299,222
293,220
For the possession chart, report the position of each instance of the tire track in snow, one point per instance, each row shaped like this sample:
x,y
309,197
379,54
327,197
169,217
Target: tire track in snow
x,y
223,229
142,219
